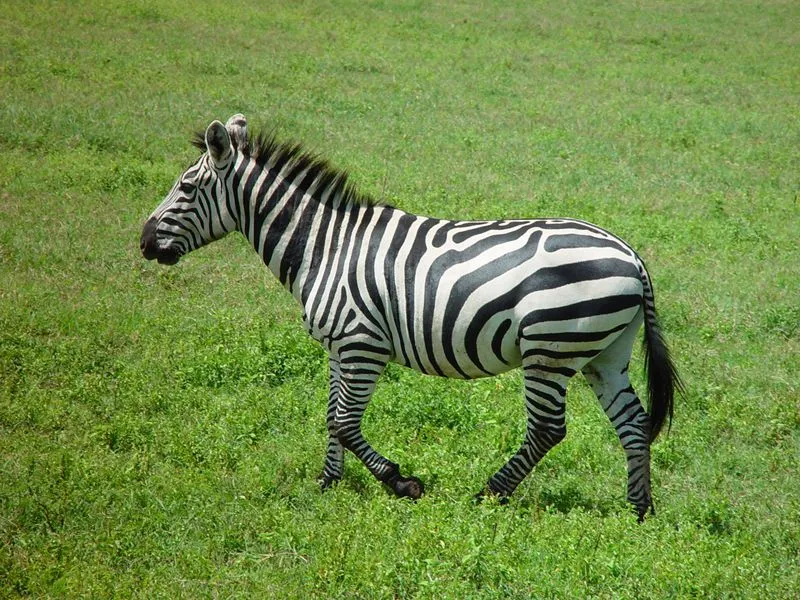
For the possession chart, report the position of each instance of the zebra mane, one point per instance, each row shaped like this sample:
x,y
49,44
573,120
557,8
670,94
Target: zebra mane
x,y
264,148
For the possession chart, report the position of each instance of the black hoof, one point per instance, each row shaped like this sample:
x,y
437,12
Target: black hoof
x,y
408,487
403,487
326,481
641,512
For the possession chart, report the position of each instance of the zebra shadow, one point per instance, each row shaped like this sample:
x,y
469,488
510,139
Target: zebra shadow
x,y
566,499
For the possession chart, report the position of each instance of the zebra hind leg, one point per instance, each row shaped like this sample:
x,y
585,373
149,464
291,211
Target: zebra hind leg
x,y
545,393
608,376
356,384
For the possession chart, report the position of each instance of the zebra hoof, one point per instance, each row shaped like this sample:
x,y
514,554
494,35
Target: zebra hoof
x,y
642,505
403,487
407,487
641,512
326,481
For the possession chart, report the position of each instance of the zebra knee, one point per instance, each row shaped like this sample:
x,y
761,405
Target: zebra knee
x,y
333,430
545,437
348,434
634,434
341,432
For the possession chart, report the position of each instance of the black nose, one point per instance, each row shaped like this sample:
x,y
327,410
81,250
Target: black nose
x,y
148,241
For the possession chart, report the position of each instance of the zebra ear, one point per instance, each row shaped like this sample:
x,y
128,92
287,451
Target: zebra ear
x,y
237,129
218,142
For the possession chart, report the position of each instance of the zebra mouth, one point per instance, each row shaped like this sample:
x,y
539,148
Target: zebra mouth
x,y
164,256
168,257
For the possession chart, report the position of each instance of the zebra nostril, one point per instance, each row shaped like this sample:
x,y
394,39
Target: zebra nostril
x,y
146,241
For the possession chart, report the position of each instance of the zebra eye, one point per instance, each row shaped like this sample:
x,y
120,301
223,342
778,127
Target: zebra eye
x,y
186,188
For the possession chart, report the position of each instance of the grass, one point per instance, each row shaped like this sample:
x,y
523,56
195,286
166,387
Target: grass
x,y
161,429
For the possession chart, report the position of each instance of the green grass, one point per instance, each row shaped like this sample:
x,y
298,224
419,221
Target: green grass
x,y
161,429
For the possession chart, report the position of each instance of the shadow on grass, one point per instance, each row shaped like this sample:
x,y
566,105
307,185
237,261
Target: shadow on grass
x,y
564,500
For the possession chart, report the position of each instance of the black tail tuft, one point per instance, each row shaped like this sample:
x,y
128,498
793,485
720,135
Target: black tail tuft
x,y
662,376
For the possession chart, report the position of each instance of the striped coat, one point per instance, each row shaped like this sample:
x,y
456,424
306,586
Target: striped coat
x,y
462,299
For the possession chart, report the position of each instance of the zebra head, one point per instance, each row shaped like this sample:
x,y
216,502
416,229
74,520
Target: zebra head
x,y
196,211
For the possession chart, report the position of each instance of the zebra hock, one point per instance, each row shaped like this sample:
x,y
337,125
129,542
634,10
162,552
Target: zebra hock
x,y
463,299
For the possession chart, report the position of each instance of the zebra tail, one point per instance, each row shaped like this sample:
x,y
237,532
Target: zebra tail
x,y
662,375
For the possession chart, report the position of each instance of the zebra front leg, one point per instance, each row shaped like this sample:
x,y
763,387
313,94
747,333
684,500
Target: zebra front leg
x,y
334,457
357,382
545,392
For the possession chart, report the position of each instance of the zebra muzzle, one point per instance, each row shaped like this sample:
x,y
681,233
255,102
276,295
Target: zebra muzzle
x,y
151,249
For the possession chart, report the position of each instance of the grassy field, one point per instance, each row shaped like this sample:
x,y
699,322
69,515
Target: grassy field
x,y
161,429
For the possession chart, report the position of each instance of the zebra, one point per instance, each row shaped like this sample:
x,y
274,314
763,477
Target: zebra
x,y
460,299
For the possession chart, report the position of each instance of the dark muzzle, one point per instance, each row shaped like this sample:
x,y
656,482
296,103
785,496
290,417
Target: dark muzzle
x,y
150,248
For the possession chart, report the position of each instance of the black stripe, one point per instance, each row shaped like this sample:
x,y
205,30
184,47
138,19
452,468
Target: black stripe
x,y
497,340
400,234
586,308
574,336
487,227
296,246
370,260
317,252
559,355
417,251
554,243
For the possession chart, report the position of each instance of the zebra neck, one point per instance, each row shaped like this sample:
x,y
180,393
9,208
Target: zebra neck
x,y
284,216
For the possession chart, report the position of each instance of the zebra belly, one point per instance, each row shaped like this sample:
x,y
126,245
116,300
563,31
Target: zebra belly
x,y
466,369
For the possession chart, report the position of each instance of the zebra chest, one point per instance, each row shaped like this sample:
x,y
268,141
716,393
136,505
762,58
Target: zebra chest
x,y
334,319
327,331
